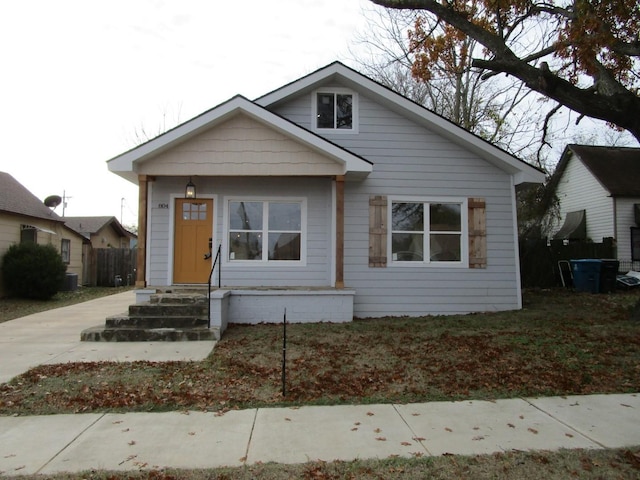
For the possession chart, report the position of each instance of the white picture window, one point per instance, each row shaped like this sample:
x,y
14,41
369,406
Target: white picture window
x,y
428,231
266,230
335,110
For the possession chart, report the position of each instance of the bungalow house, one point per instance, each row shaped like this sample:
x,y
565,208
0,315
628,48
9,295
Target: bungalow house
x,y
598,191
102,232
25,218
332,197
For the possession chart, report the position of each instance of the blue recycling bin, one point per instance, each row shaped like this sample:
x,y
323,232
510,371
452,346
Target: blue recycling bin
x,y
586,275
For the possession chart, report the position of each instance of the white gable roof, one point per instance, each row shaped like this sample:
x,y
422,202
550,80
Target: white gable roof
x,y
131,162
521,171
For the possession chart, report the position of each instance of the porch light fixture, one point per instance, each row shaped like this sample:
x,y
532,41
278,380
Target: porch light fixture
x,y
190,190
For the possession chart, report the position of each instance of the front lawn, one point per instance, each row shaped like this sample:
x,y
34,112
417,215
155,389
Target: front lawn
x,y
561,343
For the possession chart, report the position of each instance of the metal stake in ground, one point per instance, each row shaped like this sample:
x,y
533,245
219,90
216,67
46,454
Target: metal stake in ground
x,y
284,354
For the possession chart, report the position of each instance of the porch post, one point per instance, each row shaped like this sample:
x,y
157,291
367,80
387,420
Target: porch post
x,y
339,231
143,190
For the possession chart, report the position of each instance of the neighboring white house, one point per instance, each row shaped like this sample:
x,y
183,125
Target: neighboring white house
x,y
334,197
598,190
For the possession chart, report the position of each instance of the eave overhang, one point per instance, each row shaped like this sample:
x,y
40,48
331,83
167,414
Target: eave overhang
x,y
128,164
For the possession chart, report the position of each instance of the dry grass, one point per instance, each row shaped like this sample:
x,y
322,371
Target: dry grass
x,y
560,344
584,464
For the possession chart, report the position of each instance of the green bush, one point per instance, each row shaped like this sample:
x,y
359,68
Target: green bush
x,y
33,271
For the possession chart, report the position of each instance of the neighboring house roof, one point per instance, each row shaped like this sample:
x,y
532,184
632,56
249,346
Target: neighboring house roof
x,y
124,164
86,226
616,168
16,199
522,171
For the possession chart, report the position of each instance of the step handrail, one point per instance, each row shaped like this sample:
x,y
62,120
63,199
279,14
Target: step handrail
x,y
213,267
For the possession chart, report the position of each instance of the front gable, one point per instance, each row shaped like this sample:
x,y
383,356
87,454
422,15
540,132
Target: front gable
x,y
240,145
236,138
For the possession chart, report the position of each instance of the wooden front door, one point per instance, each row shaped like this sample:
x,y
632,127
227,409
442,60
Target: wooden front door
x,y
192,242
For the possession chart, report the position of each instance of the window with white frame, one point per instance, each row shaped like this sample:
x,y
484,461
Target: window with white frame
x,y
65,250
266,230
335,110
428,231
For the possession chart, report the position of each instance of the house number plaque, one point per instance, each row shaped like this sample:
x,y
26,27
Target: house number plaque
x,y
163,205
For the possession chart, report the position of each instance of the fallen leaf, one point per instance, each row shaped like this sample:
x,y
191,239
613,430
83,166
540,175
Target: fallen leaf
x,y
10,455
287,419
20,467
625,405
354,429
377,430
381,439
533,430
406,444
419,439
568,435
417,454
192,433
357,423
370,414
125,430
511,425
415,414
243,459
448,429
479,437
132,442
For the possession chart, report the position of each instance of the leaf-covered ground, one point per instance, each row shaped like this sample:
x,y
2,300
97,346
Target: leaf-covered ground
x,y
561,343
583,464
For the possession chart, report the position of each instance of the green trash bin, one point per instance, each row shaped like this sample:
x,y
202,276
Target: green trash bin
x,y
586,275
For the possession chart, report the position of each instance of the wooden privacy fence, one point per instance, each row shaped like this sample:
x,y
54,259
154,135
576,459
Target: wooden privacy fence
x,y
539,260
110,267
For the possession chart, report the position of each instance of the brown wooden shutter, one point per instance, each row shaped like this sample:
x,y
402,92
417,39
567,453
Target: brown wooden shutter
x,y
378,231
477,233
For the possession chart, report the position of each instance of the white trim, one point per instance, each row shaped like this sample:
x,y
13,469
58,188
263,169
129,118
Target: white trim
x,y
355,124
464,231
333,246
147,240
172,228
265,263
516,243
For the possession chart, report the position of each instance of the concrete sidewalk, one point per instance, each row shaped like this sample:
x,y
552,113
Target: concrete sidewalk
x,y
56,443
54,337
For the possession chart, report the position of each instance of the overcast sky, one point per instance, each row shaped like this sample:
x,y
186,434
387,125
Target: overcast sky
x,y
79,78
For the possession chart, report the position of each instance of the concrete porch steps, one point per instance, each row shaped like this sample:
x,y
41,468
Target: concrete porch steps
x,y
169,317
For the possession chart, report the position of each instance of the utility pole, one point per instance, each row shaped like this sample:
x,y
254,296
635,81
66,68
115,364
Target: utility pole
x,y
64,201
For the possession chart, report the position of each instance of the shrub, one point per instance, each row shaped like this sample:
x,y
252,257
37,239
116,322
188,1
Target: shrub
x,y
33,271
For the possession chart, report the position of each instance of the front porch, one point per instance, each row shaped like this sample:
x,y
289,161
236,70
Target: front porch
x,y
253,305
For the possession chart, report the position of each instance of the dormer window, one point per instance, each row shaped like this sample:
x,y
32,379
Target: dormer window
x,y
335,110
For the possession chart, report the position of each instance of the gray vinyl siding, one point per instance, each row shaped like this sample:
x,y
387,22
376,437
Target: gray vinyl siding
x,y
410,160
317,192
579,190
